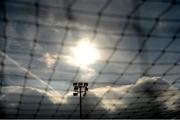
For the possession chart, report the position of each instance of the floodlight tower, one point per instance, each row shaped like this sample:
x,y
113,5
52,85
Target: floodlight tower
x,y
80,88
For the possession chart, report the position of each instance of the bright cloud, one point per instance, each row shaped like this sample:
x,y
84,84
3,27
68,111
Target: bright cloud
x,y
115,99
49,59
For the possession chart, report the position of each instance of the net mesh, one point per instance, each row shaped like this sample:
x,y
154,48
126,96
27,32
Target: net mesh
x,y
134,39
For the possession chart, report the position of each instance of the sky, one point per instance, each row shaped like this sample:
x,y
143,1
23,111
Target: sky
x,y
135,73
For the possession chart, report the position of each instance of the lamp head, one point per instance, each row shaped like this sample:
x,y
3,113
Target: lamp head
x,y
84,94
75,88
85,84
74,84
75,94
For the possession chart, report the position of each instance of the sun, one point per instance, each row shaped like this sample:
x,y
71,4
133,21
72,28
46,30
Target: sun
x,y
85,53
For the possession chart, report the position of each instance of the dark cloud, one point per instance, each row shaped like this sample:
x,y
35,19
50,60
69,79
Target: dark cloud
x,y
10,100
33,98
148,98
151,98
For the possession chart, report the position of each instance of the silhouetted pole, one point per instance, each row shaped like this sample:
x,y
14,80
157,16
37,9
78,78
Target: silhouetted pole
x,y
80,88
80,104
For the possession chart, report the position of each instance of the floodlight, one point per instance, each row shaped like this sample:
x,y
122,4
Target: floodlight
x,y
75,94
80,84
80,89
84,94
85,84
74,84
86,89
75,88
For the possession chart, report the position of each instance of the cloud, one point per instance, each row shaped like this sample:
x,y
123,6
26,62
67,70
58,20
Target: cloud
x,y
85,72
52,96
10,99
149,97
49,59
160,89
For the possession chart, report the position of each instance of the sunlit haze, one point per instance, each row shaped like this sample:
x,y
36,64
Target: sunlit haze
x,y
84,53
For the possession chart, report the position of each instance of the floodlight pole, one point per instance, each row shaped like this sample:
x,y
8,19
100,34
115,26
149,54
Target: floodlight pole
x,y
80,88
80,103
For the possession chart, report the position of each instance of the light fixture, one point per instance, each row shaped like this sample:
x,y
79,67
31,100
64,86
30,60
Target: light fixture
x,y
86,89
75,94
84,94
75,88
80,84
86,84
80,88
74,84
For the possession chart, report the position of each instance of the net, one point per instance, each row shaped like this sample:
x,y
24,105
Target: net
x,y
134,39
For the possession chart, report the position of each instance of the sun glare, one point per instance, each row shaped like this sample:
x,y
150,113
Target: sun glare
x,y
84,53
